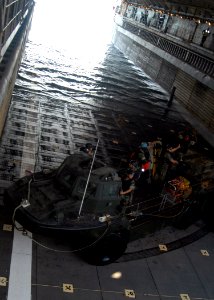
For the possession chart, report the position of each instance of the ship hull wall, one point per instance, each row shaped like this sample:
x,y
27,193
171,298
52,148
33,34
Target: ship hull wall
x,y
9,69
194,90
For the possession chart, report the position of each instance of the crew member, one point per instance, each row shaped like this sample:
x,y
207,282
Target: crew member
x,y
128,187
88,149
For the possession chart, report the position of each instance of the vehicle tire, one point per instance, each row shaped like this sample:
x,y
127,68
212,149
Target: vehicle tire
x,y
207,212
107,250
8,204
189,216
183,221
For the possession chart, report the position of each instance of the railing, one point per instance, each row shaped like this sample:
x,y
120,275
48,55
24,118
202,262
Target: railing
x,y
198,61
13,14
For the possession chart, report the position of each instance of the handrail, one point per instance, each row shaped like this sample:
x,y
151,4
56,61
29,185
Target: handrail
x,y
9,4
8,24
198,61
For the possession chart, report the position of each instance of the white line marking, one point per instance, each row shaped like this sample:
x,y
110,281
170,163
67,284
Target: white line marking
x,y
20,268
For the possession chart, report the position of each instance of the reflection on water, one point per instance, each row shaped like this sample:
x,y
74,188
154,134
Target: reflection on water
x,y
73,87
71,56
80,28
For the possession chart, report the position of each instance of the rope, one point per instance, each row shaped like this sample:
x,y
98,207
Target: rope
x,y
52,249
68,251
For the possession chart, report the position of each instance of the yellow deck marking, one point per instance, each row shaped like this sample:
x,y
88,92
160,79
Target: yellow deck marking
x,y
7,227
185,297
3,281
205,252
163,247
130,294
68,288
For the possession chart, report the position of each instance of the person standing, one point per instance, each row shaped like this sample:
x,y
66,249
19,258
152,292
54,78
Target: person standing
x,y
128,187
205,34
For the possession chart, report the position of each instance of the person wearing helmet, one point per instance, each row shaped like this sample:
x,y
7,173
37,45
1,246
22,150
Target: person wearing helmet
x,y
171,154
128,186
88,149
135,169
171,160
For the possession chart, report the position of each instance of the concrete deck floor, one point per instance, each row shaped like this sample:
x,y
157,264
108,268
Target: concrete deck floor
x,y
184,273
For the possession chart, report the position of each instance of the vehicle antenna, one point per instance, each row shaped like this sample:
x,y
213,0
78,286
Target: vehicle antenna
x,y
86,186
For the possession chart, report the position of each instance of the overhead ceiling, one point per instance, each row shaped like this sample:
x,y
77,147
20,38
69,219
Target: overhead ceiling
x,y
202,8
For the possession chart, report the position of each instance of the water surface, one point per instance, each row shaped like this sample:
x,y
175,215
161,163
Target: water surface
x,y
74,87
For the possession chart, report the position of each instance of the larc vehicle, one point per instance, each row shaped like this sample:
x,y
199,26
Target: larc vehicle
x,y
80,200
